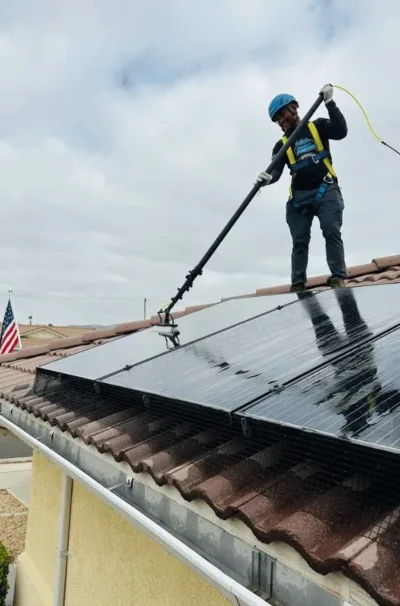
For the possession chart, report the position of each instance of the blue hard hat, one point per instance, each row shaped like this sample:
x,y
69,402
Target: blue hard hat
x,y
278,102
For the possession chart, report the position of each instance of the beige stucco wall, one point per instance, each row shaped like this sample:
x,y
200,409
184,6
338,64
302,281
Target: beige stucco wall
x,y
111,561
37,565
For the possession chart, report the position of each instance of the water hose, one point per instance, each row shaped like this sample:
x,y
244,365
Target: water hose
x,y
366,117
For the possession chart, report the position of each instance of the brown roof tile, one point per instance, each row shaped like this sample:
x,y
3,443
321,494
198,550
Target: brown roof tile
x,y
273,290
137,455
128,327
248,296
384,270
193,308
384,277
96,335
385,262
64,353
361,270
234,475
190,478
317,281
237,477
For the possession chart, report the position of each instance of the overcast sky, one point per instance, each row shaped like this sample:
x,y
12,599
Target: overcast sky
x,y
111,193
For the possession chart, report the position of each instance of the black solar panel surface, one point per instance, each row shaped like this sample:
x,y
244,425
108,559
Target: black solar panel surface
x,y
138,347
356,396
234,367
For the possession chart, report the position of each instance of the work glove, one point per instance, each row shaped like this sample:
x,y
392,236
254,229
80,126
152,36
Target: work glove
x,y
264,178
327,93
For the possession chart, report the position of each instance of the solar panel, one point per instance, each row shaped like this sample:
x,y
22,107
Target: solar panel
x,y
238,365
133,349
356,396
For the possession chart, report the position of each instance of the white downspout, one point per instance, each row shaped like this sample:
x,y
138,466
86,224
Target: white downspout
x,y
63,540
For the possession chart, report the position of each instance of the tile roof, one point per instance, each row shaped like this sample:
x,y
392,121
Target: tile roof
x,y
230,472
234,476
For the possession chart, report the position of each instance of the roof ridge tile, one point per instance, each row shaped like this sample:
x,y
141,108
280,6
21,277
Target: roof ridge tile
x,y
385,262
128,327
63,343
96,335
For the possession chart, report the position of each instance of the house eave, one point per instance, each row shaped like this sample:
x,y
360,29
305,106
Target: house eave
x,y
114,492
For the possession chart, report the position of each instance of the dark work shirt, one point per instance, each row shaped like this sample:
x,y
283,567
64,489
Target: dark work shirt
x,y
311,176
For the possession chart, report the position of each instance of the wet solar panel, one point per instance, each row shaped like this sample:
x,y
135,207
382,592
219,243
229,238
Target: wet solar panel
x,y
236,366
133,349
356,396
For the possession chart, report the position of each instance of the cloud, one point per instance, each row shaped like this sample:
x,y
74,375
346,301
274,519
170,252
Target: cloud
x,y
131,132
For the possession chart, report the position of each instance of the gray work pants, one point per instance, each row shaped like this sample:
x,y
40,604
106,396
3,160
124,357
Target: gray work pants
x,y
300,212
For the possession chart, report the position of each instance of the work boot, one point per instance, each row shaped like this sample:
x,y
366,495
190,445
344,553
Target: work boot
x,y
336,282
298,287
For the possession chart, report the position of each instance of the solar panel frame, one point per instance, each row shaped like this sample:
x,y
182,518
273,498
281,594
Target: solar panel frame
x,y
141,346
236,352
360,388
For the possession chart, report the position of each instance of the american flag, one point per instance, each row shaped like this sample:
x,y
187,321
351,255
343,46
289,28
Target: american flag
x,y
9,331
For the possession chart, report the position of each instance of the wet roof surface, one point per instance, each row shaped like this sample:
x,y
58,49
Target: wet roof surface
x,y
356,397
282,493
137,348
263,355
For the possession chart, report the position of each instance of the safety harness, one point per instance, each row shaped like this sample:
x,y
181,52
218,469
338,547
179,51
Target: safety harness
x,y
321,154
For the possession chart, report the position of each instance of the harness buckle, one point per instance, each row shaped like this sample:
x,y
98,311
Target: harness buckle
x,y
328,179
315,158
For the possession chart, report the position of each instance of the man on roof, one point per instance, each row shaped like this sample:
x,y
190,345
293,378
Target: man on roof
x,y
314,190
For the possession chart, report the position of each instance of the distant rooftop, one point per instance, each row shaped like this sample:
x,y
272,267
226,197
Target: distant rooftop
x,y
40,339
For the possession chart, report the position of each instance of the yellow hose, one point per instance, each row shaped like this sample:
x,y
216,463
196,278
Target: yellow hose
x,y
366,117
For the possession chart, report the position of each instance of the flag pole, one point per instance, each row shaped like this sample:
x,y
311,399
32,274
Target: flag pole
x,y
15,317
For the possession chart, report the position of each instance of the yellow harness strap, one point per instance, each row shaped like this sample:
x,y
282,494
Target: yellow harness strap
x,y
317,140
289,151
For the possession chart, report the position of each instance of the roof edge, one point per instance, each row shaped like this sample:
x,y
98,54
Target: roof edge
x,y
96,337
216,577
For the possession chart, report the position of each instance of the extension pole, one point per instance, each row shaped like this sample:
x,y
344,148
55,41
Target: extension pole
x,y
198,270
